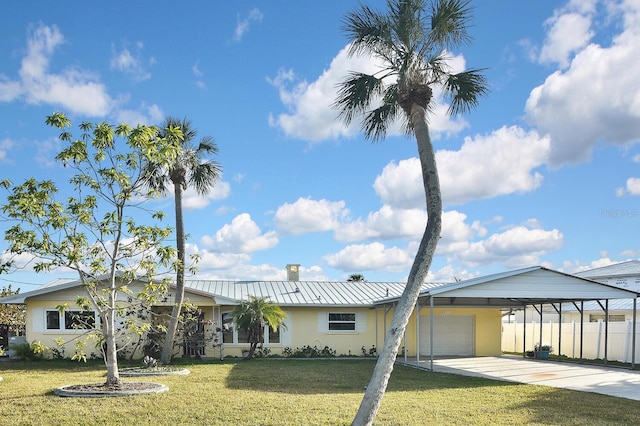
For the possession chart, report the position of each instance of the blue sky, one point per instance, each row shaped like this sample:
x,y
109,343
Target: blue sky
x,y
544,172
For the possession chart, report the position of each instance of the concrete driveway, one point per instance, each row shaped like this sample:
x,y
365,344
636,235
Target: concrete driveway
x,y
618,382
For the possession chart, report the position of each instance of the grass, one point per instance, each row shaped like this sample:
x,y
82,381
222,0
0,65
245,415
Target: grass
x,y
296,392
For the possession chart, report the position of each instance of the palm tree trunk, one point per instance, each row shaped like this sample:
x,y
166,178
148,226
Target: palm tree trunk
x,y
421,264
172,327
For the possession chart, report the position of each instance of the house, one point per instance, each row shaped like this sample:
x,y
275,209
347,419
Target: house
x,y
450,319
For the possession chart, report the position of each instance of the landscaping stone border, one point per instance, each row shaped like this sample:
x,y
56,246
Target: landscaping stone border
x,y
124,372
93,391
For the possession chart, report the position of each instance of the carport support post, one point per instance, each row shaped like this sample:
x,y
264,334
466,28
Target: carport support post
x,y
431,332
633,337
540,341
418,330
524,331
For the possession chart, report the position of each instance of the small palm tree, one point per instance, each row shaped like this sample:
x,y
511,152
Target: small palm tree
x,y
356,278
253,316
192,168
412,40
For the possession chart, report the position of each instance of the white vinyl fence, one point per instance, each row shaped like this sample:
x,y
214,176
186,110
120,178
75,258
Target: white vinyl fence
x,y
619,341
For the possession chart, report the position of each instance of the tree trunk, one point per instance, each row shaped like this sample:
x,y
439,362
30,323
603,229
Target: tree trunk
x,y
382,371
172,327
111,353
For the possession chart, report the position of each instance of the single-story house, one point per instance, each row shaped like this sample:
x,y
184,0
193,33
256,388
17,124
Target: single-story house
x,y
450,319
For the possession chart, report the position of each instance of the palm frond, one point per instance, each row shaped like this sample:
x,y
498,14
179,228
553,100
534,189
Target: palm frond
x,y
356,93
449,19
376,122
207,145
204,176
367,30
464,89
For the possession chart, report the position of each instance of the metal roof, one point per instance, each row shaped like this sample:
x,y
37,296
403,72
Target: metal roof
x,y
283,293
629,268
520,287
301,293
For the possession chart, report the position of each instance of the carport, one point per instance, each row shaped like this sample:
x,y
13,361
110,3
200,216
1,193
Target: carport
x,y
535,286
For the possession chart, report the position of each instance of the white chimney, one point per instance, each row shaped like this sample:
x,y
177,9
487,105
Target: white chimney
x,y
293,272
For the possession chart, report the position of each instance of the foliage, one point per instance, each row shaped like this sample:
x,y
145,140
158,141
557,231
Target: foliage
x,y
30,351
253,316
356,278
189,169
309,352
412,42
372,351
292,392
13,316
93,230
542,347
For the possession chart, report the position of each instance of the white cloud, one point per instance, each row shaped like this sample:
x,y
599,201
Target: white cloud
x,y
311,117
568,32
365,257
217,261
255,15
5,146
77,90
501,163
307,215
515,247
191,200
242,235
633,186
130,63
197,72
386,223
596,99
146,115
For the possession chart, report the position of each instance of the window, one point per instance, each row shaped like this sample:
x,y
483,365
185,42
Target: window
x,y
342,322
53,320
79,320
231,335
600,317
71,320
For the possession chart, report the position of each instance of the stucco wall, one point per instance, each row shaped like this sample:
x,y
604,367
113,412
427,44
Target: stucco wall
x,y
487,328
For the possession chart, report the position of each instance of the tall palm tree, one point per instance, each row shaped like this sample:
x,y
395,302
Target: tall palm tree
x,y
252,316
412,40
191,169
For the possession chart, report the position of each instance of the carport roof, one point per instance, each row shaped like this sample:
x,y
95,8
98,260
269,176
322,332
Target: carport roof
x,y
534,285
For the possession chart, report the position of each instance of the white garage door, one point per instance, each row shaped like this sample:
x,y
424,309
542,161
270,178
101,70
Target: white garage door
x,y
452,335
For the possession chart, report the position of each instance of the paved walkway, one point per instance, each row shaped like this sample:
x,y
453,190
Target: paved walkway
x,y
619,382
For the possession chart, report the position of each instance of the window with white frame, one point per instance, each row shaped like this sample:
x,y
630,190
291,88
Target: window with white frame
x,y
231,334
70,320
337,322
342,321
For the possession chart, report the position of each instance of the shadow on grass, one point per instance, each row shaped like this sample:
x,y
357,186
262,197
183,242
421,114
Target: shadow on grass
x,y
338,376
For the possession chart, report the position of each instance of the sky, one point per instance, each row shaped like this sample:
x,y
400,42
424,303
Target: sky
x,y
545,171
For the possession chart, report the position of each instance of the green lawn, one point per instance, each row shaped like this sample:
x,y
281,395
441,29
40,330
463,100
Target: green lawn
x,y
292,392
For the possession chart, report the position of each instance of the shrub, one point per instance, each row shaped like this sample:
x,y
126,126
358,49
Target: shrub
x,y
31,352
309,352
